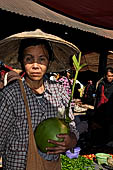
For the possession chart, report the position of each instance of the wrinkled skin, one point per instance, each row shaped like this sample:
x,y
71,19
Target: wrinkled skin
x,y
35,61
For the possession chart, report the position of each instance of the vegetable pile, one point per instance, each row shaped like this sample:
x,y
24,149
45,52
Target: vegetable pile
x,y
81,163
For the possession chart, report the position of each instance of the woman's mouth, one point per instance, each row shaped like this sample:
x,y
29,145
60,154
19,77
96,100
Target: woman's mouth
x,y
35,74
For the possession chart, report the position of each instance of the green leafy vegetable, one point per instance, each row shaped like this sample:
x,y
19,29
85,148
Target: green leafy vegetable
x,y
80,163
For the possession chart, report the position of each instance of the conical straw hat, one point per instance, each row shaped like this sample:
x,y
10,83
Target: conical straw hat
x,y
62,50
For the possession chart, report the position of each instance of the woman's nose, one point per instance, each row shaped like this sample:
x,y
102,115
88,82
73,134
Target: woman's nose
x,y
35,65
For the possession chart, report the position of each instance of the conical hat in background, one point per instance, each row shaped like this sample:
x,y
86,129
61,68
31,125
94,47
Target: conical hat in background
x,y
62,50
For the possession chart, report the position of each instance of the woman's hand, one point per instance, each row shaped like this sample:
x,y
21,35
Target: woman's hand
x,y
69,142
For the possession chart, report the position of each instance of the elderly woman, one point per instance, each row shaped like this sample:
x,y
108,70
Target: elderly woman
x,y
44,97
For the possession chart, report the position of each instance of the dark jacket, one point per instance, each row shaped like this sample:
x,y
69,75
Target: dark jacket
x,y
104,101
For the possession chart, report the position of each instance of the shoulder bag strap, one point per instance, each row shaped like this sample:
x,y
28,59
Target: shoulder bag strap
x,y
34,160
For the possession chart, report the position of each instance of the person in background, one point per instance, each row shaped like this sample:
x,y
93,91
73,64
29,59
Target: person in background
x,y
53,76
7,74
10,77
88,93
76,91
102,121
66,81
44,98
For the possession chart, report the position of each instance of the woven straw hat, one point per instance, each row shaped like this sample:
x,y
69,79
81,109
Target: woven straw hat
x,y
62,49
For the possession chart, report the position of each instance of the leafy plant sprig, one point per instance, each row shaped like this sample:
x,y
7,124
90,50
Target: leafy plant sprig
x,y
77,66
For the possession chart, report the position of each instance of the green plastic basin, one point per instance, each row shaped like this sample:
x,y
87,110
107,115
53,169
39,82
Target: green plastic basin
x,y
102,158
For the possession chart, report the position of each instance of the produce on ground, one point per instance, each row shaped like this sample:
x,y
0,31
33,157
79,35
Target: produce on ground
x,y
81,163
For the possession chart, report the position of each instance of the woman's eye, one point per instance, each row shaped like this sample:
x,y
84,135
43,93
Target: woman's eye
x,y
28,59
43,59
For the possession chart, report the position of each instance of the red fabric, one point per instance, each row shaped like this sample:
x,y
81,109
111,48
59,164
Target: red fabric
x,y
8,67
103,98
96,12
23,74
5,70
87,90
2,74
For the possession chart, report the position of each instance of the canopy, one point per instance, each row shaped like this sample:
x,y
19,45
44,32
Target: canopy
x,y
93,12
86,15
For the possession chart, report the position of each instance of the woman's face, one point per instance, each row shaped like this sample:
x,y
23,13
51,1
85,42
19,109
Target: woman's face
x,y
35,61
109,76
